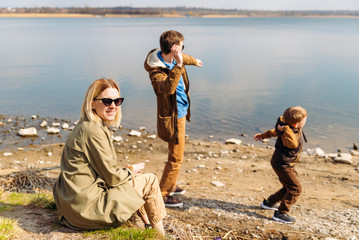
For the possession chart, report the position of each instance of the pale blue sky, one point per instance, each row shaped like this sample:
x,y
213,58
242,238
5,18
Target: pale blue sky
x,y
224,4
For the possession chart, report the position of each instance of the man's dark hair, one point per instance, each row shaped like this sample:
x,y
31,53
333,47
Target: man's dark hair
x,y
168,39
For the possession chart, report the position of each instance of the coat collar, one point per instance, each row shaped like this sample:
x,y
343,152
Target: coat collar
x,y
153,60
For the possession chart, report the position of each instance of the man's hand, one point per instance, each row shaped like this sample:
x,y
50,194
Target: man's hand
x,y
199,63
177,54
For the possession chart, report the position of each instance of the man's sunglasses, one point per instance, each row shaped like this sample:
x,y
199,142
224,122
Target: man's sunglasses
x,y
108,101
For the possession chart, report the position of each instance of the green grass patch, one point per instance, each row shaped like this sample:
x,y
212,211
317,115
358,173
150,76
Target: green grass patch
x,y
5,207
7,228
40,200
124,233
43,200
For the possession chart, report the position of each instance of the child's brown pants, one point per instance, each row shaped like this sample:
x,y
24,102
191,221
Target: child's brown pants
x,y
289,194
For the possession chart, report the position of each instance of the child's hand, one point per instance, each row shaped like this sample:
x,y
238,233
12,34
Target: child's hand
x,y
258,136
137,168
281,128
199,63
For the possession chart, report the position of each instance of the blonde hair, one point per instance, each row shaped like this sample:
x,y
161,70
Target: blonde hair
x,y
294,115
95,89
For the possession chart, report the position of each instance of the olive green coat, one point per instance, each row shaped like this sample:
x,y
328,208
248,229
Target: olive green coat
x,y
92,191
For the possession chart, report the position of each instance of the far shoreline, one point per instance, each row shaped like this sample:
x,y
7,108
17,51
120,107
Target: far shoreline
x,y
72,15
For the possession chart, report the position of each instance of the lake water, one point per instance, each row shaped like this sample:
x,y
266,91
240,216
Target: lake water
x,y
253,69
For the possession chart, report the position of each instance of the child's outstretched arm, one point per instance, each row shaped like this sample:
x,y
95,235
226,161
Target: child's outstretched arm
x,y
266,134
258,137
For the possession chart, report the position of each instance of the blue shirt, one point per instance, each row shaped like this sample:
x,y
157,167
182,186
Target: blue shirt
x,y
181,96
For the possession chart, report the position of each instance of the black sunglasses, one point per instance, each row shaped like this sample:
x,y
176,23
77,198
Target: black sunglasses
x,y
108,101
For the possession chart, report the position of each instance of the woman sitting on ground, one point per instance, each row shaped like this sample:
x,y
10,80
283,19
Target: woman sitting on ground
x,y
92,191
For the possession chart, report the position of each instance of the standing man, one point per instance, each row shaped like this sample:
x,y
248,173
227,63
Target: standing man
x,y
167,72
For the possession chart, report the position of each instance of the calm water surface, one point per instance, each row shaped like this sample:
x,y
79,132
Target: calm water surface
x,y
253,69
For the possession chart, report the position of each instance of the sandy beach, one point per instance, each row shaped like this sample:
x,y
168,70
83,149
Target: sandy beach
x,y
225,184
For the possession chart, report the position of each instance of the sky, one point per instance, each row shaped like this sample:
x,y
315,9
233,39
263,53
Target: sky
x,y
219,4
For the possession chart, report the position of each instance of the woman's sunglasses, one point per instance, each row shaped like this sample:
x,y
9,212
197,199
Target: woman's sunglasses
x,y
108,101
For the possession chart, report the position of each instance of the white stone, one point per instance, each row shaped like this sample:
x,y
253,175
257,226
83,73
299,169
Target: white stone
x,y
315,152
117,138
9,120
49,154
56,124
331,155
53,130
201,166
265,140
76,122
6,154
71,128
354,152
153,136
217,183
28,132
142,128
233,141
43,124
33,117
20,149
135,133
210,136
65,126
224,152
344,158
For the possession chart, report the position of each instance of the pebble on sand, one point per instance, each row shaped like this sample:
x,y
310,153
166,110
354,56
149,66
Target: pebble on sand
x,y
233,141
56,124
28,132
315,152
117,138
43,124
344,158
135,133
217,183
153,136
53,130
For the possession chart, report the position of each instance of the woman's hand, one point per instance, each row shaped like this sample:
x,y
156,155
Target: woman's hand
x,y
137,168
199,63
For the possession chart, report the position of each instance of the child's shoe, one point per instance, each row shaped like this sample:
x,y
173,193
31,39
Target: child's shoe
x,y
283,217
265,205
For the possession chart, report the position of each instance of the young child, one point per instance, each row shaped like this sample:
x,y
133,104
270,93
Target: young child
x,y
288,147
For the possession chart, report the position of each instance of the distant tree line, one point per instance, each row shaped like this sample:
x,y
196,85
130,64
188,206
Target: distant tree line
x,y
178,10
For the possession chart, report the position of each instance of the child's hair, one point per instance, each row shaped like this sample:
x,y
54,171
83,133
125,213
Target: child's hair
x,y
294,115
168,39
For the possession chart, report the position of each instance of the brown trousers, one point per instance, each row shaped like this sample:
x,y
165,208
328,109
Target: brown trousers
x,y
291,190
174,162
147,186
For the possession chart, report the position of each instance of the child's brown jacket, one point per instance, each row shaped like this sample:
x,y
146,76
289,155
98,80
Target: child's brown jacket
x,y
288,145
